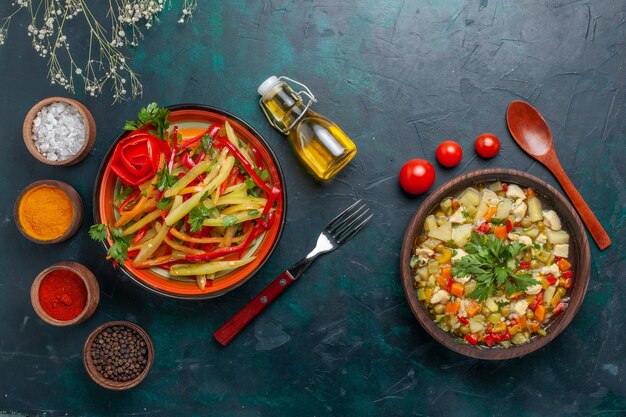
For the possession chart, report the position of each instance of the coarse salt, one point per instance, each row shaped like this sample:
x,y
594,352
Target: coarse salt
x,y
59,131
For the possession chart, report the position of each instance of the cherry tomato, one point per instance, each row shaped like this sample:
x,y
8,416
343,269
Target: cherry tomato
x,y
417,176
449,153
487,145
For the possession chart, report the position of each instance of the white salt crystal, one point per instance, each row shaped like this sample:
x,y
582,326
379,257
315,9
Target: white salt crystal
x,y
58,131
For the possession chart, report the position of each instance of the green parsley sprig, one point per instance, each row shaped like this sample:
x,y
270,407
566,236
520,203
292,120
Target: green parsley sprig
x,y
118,251
486,261
154,116
198,214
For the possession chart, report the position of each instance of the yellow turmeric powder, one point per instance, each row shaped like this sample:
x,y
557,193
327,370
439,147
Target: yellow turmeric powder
x,y
45,212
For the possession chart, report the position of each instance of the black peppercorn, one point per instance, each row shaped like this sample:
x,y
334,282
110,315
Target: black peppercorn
x,y
116,355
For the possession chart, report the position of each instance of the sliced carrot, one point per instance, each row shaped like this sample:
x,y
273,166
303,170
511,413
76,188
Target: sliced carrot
x,y
563,264
530,193
521,321
540,313
446,273
473,309
455,204
500,232
442,281
514,330
490,213
457,290
453,308
534,326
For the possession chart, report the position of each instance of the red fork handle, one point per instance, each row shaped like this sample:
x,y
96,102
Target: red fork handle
x,y
232,327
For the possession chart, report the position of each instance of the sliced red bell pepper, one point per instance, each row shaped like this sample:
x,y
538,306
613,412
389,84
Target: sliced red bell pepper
x,y
536,302
128,200
471,338
463,320
551,279
505,336
136,158
246,164
186,160
559,308
483,228
212,131
258,159
509,226
505,187
524,264
488,339
141,233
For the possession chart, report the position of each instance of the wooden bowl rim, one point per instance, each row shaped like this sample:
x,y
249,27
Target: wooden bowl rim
x,y
90,131
75,199
582,261
275,161
88,279
91,368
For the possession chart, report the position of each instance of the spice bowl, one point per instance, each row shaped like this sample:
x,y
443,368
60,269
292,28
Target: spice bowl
x,y
89,137
119,339
55,301
23,221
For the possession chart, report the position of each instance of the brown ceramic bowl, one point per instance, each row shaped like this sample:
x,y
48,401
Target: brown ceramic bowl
x,y
91,284
77,204
97,376
90,131
579,250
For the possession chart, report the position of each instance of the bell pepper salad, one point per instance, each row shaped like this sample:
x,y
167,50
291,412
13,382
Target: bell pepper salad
x,y
491,266
191,207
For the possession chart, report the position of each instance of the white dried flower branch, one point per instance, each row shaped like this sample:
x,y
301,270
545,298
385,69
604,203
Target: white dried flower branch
x,y
104,64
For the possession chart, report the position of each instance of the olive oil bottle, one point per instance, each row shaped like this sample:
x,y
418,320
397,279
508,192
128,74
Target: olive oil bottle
x,y
318,141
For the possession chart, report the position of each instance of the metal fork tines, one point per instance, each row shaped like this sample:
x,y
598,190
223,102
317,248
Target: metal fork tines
x,y
348,223
340,230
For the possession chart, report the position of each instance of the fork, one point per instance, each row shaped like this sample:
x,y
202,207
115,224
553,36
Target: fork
x,y
340,230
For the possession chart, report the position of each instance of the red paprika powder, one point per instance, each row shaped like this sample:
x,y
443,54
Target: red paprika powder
x,y
62,294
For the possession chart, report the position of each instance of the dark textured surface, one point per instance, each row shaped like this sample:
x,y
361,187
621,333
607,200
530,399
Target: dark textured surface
x,y
399,76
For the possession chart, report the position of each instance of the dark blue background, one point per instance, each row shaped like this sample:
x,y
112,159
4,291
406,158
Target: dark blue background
x,y
399,76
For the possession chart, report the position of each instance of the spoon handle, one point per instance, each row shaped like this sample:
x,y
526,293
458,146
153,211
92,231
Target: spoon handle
x,y
593,225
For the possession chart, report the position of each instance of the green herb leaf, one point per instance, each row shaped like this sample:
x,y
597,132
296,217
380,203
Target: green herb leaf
x,y
118,251
207,144
123,193
465,213
250,183
151,116
98,232
164,203
165,179
230,221
486,262
197,216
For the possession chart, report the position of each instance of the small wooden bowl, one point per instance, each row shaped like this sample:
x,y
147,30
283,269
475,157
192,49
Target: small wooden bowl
x,y
91,284
91,367
76,203
579,250
90,131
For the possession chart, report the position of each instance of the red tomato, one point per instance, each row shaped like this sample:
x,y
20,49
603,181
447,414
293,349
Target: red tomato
x,y
449,153
417,176
487,145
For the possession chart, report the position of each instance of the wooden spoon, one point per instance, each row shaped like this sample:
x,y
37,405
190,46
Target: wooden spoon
x,y
532,134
